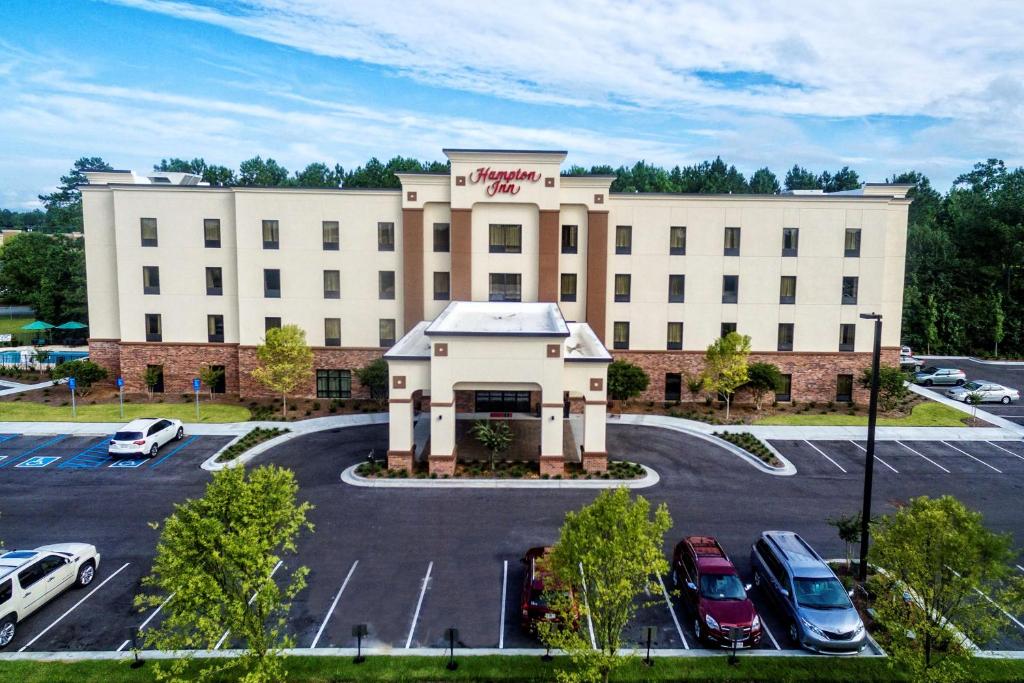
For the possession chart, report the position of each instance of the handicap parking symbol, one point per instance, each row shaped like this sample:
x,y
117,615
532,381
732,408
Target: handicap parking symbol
x,y
127,463
39,461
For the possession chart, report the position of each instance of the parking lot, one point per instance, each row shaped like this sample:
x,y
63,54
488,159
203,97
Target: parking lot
x,y
1008,375
411,563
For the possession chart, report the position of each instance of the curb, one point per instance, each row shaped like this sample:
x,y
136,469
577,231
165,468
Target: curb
x,y
211,464
977,360
349,476
991,418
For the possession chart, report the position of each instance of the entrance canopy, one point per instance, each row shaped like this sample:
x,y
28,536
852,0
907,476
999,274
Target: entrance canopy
x,y
497,347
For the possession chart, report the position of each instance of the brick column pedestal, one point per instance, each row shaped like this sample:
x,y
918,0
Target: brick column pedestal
x,y
442,465
400,460
552,465
595,461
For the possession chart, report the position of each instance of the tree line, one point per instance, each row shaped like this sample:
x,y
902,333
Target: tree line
x,y
965,249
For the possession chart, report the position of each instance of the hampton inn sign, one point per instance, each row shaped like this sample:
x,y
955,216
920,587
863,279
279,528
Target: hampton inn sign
x,y
503,182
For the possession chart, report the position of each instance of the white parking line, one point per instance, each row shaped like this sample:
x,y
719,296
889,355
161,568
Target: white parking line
x,y
999,607
671,610
225,636
72,608
924,456
334,604
123,645
825,456
764,626
148,619
1005,450
501,628
972,457
586,604
876,457
419,604
1020,568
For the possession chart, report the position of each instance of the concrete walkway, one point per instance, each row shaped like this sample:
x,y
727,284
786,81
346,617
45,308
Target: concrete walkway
x,y
969,410
17,387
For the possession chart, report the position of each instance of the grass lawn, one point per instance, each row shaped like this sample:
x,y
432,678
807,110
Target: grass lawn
x,y
13,325
929,414
27,411
496,668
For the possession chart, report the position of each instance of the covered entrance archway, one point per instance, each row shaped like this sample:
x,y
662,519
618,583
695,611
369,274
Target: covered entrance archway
x,y
503,352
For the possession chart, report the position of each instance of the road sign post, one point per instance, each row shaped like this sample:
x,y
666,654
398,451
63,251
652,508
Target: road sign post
x,y
195,388
120,394
74,409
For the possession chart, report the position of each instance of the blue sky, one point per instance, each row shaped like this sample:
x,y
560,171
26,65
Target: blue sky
x,y
882,87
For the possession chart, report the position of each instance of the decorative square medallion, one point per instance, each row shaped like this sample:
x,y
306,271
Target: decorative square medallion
x,y
398,382
596,384
410,195
440,349
460,180
599,199
554,350
549,182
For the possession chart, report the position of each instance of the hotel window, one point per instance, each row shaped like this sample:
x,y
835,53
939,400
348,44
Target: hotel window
x,y
623,239
150,280
442,286
386,284
784,390
621,335
847,336
676,289
623,283
850,290
442,237
568,288
387,332
211,233
332,331
790,241
851,246
334,384
271,235
506,287
506,238
385,236
148,229
730,288
732,242
214,282
787,289
332,235
675,337
215,328
727,328
158,386
677,240
844,388
570,239
154,328
785,337
332,284
673,386
271,283
273,323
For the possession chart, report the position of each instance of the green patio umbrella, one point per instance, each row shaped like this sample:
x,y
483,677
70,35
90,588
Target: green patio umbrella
x,y
71,325
37,325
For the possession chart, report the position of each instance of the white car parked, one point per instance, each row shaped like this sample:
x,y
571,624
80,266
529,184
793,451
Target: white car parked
x,y
31,578
989,391
145,437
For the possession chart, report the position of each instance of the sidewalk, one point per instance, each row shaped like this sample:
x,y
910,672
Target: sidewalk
x,y
968,410
17,387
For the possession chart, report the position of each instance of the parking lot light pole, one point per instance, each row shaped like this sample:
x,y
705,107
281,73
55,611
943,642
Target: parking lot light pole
x,y
869,461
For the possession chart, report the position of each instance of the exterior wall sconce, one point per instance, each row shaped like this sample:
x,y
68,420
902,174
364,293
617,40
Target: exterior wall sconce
x,y
552,418
439,417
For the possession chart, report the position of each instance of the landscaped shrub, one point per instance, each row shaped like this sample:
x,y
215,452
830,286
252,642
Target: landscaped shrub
x,y
253,438
751,444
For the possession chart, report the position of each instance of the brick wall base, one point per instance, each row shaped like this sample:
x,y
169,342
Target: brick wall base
x,y
814,374
595,462
182,362
552,465
400,460
441,465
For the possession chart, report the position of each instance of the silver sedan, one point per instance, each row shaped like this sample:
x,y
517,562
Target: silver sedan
x,y
989,392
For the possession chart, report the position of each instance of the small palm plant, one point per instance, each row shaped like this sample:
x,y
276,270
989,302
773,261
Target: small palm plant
x,y
495,436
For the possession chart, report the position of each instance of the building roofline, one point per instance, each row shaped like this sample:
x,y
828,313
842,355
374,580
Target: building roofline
x,y
751,196
459,150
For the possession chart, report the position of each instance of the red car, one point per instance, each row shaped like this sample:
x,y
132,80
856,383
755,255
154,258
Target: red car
x,y
711,588
533,602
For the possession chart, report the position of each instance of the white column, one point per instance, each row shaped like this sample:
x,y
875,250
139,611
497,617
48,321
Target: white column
x,y
594,424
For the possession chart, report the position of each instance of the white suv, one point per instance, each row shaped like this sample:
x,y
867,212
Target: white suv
x,y
31,578
145,437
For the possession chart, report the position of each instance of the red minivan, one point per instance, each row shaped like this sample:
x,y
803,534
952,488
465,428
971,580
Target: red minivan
x,y
711,588
533,603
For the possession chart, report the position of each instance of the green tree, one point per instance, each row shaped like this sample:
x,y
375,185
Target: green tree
x,y
46,272
494,435
799,178
317,175
848,528
764,182
64,206
85,372
695,385
843,179
765,379
973,399
285,362
626,380
151,377
217,560
210,376
374,376
998,321
267,173
725,366
892,385
937,558
215,175
609,552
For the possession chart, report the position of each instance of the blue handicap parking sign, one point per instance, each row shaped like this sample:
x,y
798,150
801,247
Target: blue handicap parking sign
x,y
72,383
120,382
127,463
195,385
39,461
